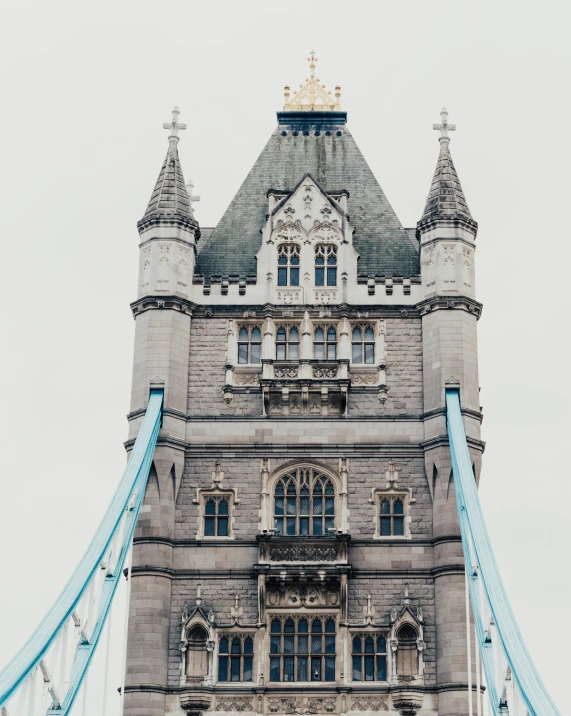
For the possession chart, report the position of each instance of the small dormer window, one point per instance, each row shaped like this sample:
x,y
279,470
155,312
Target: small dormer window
x,y
325,343
287,343
325,265
288,265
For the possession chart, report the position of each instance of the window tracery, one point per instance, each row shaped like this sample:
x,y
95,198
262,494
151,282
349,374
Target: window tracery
x,y
369,657
287,342
325,342
216,516
235,657
363,344
304,503
288,265
326,265
249,344
302,648
392,507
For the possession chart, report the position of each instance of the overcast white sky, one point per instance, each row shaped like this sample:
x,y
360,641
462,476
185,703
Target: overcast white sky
x,y
85,90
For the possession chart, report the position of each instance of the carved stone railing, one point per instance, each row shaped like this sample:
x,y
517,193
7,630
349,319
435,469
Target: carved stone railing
x,y
280,549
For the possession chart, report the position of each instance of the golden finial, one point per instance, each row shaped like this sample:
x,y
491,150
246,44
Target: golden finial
x,y
311,96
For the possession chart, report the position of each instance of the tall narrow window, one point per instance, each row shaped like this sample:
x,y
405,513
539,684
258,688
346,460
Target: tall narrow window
x,y
288,265
369,657
304,503
287,343
363,344
326,265
392,516
235,658
216,515
325,343
302,649
249,344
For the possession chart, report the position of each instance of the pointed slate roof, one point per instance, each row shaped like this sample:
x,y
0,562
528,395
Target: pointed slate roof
x,y
318,143
170,199
446,199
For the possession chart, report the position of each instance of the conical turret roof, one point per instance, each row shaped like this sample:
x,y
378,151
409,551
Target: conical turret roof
x,y
170,200
446,198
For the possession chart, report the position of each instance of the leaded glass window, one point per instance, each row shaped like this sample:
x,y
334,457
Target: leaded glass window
x,y
325,343
391,515
235,658
216,516
287,342
288,265
304,503
302,649
363,344
369,657
326,265
249,344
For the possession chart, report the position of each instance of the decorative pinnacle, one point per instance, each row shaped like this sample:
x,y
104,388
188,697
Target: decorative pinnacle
x,y
311,96
312,59
444,127
174,126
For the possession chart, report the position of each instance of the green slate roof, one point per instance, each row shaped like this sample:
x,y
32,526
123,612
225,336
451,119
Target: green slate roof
x,y
309,143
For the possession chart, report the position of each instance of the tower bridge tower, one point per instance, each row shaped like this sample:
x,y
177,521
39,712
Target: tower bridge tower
x,y
298,550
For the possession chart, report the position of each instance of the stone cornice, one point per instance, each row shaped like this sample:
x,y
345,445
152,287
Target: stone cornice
x,y
441,412
442,441
437,303
355,542
176,303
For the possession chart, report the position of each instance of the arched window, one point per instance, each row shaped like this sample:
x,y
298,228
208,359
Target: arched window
x,y
407,653
325,343
392,516
216,513
363,344
196,654
249,344
302,649
326,265
369,654
235,658
304,503
288,265
287,343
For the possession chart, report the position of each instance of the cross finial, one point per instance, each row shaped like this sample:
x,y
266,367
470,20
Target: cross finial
x,y
174,125
444,127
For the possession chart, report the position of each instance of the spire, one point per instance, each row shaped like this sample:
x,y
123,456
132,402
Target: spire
x,y
312,96
446,199
170,199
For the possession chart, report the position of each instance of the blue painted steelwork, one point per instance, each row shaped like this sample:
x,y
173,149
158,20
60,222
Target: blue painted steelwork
x,y
482,565
127,497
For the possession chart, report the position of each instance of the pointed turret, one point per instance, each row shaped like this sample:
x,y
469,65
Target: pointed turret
x,y
446,200
170,201
168,230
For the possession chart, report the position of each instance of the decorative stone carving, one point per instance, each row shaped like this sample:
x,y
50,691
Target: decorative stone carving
x,y
364,378
369,703
246,378
233,703
289,295
285,372
325,296
408,703
303,553
326,705
287,705
325,372
303,595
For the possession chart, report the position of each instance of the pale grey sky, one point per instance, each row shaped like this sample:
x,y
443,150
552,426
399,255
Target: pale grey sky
x,y
85,90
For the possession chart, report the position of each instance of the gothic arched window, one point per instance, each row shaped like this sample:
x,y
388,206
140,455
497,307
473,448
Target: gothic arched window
x,y
407,653
326,265
235,658
288,265
392,516
287,343
249,344
216,514
325,343
304,503
302,649
369,655
363,344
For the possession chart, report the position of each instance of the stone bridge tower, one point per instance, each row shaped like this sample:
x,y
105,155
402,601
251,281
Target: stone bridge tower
x,y
298,550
